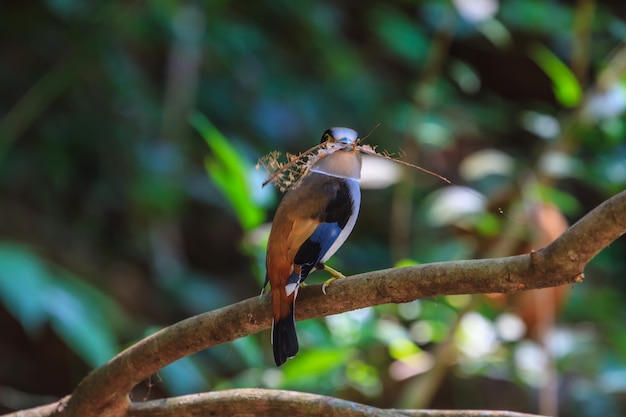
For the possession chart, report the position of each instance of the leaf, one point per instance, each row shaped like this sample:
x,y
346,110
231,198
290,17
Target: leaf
x,y
36,293
23,280
71,319
84,318
400,34
565,86
250,350
312,364
228,171
566,202
184,377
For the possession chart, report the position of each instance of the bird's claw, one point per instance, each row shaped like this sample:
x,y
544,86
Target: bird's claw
x,y
335,276
326,284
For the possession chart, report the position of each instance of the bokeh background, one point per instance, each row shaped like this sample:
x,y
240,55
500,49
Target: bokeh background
x,y
129,198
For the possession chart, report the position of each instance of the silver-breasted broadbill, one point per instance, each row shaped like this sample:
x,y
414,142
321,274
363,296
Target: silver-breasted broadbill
x,y
312,221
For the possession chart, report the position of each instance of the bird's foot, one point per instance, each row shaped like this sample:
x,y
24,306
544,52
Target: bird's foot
x,y
335,276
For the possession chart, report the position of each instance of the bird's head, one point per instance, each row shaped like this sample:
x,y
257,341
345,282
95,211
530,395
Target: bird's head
x,y
340,138
340,157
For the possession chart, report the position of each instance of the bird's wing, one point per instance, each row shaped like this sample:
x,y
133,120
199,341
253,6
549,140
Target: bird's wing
x,y
315,247
301,230
310,231
321,230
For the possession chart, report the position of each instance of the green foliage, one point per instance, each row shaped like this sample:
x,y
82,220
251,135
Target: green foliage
x,y
229,171
184,377
399,34
315,365
38,294
566,87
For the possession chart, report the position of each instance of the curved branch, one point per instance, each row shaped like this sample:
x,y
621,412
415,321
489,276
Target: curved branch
x,y
104,392
270,403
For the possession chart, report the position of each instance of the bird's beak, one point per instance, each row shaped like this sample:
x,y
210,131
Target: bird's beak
x,y
346,143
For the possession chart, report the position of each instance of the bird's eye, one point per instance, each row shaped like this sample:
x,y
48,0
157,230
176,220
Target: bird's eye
x,y
326,136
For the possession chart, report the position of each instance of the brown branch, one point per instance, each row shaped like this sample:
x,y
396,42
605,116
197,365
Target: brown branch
x,y
265,402
41,411
104,392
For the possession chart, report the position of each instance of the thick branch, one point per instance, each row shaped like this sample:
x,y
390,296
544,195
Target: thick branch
x,y
270,403
104,392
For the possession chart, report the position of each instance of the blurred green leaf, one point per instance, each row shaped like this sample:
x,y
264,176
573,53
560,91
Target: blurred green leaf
x,y
400,34
85,318
23,282
405,262
184,377
35,293
228,171
565,86
313,364
364,377
566,202
402,347
249,349
71,320
487,224
536,16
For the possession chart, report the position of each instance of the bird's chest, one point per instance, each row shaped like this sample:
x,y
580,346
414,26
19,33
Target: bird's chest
x,y
345,213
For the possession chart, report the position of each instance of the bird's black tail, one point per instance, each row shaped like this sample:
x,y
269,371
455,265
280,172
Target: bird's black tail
x,y
284,338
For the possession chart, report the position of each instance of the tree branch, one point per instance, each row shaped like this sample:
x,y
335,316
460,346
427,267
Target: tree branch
x,y
104,392
265,402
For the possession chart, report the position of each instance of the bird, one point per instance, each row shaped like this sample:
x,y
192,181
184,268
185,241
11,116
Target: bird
x,y
312,221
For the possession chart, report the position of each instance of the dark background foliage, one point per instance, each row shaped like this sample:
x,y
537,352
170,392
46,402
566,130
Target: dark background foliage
x,y
129,199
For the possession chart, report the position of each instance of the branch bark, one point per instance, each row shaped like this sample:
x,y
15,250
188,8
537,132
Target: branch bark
x,y
104,392
270,403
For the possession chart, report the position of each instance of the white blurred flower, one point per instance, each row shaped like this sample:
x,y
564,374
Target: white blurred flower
x,y
476,11
601,105
379,173
451,204
476,336
510,327
532,363
542,125
486,162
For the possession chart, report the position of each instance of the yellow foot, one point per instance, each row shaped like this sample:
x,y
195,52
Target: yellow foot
x,y
335,276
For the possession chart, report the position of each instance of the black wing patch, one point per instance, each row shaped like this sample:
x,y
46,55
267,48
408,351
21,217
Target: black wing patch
x,y
334,218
